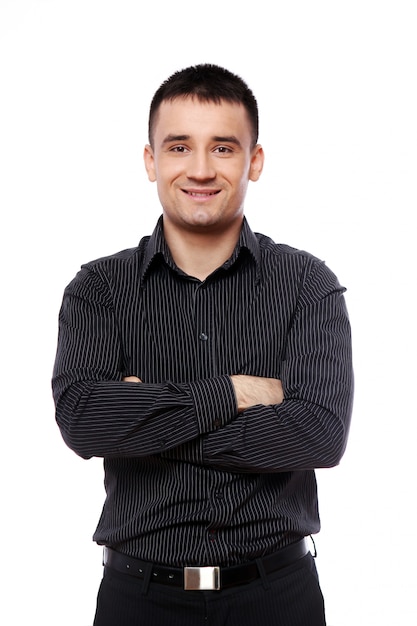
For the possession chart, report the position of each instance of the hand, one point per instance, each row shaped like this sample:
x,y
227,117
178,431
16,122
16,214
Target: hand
x,y
252,390
131,379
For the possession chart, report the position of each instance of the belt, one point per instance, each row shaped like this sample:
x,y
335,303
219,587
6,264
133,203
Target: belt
x,y
206,577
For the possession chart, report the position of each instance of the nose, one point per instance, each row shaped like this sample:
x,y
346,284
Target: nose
x,y
200,166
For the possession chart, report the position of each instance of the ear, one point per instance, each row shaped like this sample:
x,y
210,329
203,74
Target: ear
x,y
257,163
149,159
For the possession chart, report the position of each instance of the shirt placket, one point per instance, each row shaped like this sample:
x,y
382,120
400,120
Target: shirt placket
x,y
206,326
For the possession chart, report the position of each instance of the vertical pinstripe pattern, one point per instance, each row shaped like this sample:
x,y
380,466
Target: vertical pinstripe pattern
x,y
188,479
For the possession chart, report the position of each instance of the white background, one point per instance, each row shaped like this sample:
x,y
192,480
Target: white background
x,y
336,86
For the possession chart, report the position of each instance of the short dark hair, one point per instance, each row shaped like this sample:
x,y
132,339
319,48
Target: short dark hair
x,y
208,83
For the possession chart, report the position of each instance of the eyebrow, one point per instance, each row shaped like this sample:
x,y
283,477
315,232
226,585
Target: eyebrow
x,y
217,138
171,138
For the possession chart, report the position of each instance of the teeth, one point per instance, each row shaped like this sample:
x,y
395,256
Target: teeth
x,y
201,195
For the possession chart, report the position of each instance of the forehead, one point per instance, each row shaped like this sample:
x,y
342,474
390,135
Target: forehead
x,y
191,116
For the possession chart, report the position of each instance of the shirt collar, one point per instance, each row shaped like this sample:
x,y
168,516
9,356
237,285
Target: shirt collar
x,y
157,248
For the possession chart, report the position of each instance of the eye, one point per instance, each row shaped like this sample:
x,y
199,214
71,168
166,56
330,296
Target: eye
x,y
178,149
223,150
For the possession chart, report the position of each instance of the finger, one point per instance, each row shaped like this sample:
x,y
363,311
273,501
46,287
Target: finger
x,y
132,379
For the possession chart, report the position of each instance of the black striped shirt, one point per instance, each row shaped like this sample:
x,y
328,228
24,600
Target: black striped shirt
x,y
188,479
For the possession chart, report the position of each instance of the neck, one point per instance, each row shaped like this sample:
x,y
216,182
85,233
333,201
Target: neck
x,y
199,253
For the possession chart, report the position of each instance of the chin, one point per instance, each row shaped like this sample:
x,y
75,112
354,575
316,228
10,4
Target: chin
x,y
204,219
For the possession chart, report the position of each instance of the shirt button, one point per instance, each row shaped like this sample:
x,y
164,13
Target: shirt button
x,y
217,423
203,337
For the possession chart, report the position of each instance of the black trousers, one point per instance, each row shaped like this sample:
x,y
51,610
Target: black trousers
x,y
289,597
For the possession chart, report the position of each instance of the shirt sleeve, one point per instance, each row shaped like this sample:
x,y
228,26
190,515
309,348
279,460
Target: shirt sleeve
x,y
309,429
101,415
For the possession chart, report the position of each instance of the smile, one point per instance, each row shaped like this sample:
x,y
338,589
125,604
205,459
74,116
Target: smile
x,y
200,194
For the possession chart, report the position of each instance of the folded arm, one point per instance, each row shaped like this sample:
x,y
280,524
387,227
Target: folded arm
x,y
98,412
307,427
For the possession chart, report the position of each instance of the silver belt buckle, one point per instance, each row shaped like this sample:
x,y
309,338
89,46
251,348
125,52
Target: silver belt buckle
x,y
202,578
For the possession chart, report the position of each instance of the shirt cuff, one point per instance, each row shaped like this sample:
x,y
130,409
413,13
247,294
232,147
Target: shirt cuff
x,y
214,401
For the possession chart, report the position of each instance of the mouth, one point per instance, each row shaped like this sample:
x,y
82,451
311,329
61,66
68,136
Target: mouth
x,y
201,195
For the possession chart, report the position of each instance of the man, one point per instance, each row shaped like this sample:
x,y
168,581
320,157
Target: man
x,y
211,369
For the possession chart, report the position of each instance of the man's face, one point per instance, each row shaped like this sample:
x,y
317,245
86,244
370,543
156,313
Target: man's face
x,y
202,159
